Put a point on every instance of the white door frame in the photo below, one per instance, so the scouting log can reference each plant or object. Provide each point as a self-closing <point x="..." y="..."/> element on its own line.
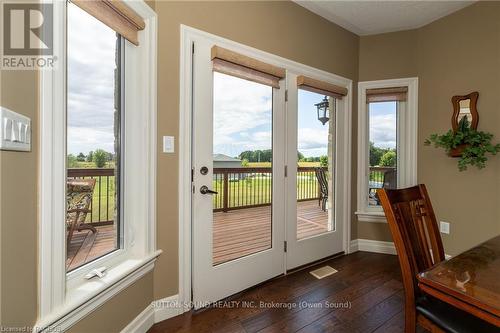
<point x="187" y="36"/>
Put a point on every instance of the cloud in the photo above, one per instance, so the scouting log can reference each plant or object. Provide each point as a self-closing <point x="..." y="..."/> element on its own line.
<point x="383" y="130"/>
<point x="91" y="83"/>
<point x="242" y="115"/>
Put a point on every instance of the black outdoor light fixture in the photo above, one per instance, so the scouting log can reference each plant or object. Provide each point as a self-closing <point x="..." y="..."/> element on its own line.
<point x="323" y="110"/>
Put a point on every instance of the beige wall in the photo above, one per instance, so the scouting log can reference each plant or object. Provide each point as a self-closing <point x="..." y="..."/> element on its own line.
<point x="269" y="26"/>
<point x="452" y="56"/>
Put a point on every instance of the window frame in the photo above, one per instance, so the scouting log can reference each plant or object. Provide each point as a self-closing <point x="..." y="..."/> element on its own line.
<point x="65" y="298"/>
<point x="407" y="122"/>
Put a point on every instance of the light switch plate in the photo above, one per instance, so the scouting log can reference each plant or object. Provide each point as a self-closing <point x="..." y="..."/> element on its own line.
<point x="168" y="144"/>
<point x="444" y="227"/>
<point x="15" y="131"/>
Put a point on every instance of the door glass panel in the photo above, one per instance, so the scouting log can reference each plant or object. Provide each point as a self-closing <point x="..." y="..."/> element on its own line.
<point x="242" y="168"/>
<point x="383" y="148"/>
<point x="315" y="142"/>
<point x="93" y="139"/>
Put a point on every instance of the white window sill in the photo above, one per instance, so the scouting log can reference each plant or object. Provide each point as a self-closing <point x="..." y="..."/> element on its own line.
<point x="85" y="298"/>
<point x="377" y="217"/>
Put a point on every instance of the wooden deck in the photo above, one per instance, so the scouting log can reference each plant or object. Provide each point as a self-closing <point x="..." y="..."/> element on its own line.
<point x="241" y="232"/>
<point x="237" y="233"/>
<point x="87" y="246"/>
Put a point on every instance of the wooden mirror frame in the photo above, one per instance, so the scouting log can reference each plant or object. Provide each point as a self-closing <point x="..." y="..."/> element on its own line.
<point x="455" y="100"/>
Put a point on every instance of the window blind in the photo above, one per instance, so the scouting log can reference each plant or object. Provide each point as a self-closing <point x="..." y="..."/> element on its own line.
<point x="386" y="94"/>
<point x="228" y="62"/>
<point x="321" y="87"/>
<point x="116" y="15"/>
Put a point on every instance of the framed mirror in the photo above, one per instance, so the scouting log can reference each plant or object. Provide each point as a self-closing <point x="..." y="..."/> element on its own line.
<point x="465" y="106"/>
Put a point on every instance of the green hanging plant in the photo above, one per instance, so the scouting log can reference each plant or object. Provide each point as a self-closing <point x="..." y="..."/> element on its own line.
<point x="467" y="143"/>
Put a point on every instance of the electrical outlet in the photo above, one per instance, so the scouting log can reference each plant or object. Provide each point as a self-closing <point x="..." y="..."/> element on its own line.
<point x="444" y="227"/>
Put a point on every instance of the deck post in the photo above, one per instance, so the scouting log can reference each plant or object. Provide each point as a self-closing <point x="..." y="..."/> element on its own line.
<point x="225" y="190"/>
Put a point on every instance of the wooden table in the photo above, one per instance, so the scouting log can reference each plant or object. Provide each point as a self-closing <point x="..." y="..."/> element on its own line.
<point x="469" y="281"/>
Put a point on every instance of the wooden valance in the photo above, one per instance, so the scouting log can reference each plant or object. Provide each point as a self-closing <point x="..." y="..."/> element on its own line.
<point x="321" y="87"/>
<point x="394" y="94"/>
<point x="228" y="62"/>
<point x="116" y="15"/>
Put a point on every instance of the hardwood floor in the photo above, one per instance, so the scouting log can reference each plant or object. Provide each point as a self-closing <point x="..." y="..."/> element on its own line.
<point x="241" y="232"/>
<point x="366" y="295"/>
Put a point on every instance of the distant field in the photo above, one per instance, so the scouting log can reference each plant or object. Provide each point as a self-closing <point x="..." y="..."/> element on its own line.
<point x="268" y="164"/>
<point x="90" y="165"/>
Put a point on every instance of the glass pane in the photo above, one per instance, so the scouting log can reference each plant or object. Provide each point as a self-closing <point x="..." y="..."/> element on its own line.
<point x="242" y="162"/>
<point x="383" y="148"/>
<point x="93" y="139"/>
<point x="315" y="142"/>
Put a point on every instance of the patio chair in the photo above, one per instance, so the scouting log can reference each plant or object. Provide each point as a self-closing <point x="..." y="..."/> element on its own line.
<point x="323" y="187"/>
<point x="79" y="194"/>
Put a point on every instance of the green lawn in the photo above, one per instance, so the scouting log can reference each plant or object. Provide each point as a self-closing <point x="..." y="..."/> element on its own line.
<point x="107" y="200"/>
<point x="257" y="190"/>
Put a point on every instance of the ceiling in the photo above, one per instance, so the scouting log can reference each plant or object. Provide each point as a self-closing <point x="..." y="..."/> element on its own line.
<point x="375" y="17"/>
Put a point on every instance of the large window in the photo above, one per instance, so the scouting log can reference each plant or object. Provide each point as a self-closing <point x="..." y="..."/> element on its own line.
<point x="387" y="141"/>
<point x="97" y="157"/>
<point x="94" y="132"/>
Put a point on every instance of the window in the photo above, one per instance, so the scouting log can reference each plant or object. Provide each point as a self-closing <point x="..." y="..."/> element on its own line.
<point x="387" y="130"/>
<point x="93" y="134"/>
<point x="97" y="157"/>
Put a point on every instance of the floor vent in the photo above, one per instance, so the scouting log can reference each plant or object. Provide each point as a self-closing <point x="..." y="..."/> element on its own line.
<point x="323" y="272"/>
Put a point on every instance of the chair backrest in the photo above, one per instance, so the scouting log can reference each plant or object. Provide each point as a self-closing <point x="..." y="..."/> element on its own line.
<point x="414" y="230"/>
<point x="79" y="194"/>
<point x="323" y="183"/>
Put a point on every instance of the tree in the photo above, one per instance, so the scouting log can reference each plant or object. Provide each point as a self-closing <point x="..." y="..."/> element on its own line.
<point x="100" y="157"/>
<point x="244" y="162"/>
<point x="300" y="156"/>
<point x="80" y="157"/>
<point x="388" y="159"/>
<point x="323" y="161"/>
<point x="71" y="161"/>
<point x="90" y="156"/>
<point x="375" y="154"/>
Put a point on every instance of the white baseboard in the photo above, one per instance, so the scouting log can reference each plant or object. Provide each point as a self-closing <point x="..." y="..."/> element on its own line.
<point x="167" y="307"/>
<point x="157" y="311"/>
<point x="369" y="245"/>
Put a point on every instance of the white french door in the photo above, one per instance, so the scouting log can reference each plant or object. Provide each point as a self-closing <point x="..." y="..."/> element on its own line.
<point x="314" y="226"/>
<point x="258" y="206"/>
<point x="238" y="232"/>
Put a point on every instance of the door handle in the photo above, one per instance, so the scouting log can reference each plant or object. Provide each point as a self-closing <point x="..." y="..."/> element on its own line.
<point x="204" y="190"/>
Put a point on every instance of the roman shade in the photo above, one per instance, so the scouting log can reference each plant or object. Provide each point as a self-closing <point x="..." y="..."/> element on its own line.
<point x="116" y="15"/>
<point x="394" y="94"/>
<point x="321" y="87"/>
<point x="228" y="62"/>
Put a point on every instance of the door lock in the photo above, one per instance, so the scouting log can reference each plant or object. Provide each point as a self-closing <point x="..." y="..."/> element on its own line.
<point x="203" y="170"/>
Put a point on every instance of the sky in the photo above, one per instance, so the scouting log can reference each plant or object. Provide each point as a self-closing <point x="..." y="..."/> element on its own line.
<point x="383" y="124"/>
<point x="91" y="64"/>
<point x="242" y="109"/>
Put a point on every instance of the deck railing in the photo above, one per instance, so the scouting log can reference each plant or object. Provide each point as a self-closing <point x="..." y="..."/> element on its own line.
<point x="252" y="187"/>
<point x="237" y="188"/>
<point x="103" y="202"/>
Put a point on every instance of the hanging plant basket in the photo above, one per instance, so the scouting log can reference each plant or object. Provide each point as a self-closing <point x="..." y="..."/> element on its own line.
<point x="458" y="151"/>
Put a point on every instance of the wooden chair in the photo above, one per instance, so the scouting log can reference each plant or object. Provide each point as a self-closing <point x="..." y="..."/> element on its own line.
<point x="419" y="246"/>
<point x="79" y="194"/>
<point x="323" y="187"/>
